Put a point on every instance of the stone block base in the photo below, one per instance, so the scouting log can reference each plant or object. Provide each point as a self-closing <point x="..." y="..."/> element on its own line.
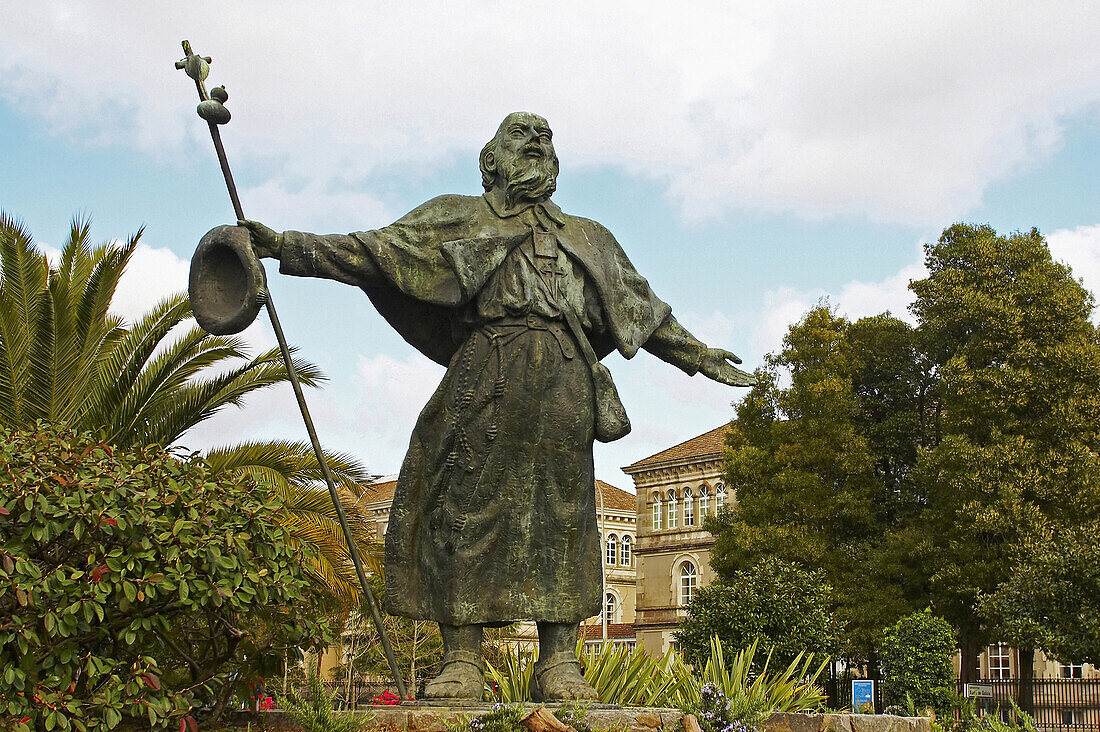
<point x="436" y="717"/>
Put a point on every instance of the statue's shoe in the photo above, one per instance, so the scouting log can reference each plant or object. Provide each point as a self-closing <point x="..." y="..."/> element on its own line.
<point x="561" y="680"/>
<point x="461" y="678"/>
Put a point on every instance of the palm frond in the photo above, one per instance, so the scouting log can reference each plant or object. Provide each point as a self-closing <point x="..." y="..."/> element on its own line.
<point x="129" y="353"/>
<point x="197" y="401"/>
<point x="23" y="273"/>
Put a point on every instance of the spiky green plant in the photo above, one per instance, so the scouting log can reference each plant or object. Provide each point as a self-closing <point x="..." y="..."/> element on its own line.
<point x="512" y="679"/>
<point x="65" y="358"/>
<point x="633" y="678"/>
<point x="318" y="713"/>
<point x="753" y="696"/>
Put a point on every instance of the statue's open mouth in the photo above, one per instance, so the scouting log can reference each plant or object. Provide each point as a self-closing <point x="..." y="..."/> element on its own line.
<point x="532" y="152"/>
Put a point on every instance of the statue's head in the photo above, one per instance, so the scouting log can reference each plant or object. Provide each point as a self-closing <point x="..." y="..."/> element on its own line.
<point x="520" y="159"/>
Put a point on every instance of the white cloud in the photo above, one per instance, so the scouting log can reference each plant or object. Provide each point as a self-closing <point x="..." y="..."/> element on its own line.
<point x="1080" y="249"/>
<point x="856" y="299"/>
<point x="152" y="275"/>
<point x="897" y="112"/>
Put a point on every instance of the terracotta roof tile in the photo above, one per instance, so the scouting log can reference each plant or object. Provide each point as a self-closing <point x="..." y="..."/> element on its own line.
<point x="614" y="630"/>
<point x="616" y="499"/>
<point x="706" y="444"/>
<point x="380" y="491"/>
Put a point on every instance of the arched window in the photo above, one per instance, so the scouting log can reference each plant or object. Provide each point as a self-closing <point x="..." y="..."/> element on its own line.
<point x="719" y="497"/>
<point x="612" y="549"/>
<point x="624" y="551"/>
<point x="672" y="509"/>
<point x="689" y="508"/>
<point x="689" y="580"/>
<point x="657" y="512"/>
<point x="704" y="501"/>
<point x="610" y="608"/>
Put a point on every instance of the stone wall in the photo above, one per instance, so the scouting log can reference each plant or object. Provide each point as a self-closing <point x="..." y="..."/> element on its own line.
<point x="424" y="718"/>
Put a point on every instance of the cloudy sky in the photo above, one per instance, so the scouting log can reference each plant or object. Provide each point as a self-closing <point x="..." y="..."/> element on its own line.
<point x="752" y="158"/>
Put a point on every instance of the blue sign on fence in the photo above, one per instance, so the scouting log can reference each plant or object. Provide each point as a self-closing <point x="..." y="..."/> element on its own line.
<point x="863" y="696"/>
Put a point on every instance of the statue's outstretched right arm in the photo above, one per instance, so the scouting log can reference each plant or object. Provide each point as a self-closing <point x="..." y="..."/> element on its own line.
<point x="340" y="257"/>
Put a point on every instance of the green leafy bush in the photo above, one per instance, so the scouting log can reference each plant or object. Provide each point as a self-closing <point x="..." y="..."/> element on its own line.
<point x="775" y="602"/>
<point x="915" y="657"/>
<point x="132" y="582"/>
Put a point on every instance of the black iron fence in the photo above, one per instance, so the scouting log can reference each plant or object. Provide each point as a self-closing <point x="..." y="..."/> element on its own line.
<point x="358" y="693"/>
<point x="1058" y="705"/>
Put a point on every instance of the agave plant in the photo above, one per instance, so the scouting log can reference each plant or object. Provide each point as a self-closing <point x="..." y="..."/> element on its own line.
<point x="754" y="696"/>
<point x="512" y="681"/>
<point x="65" y="358"/>
<point x="631" y="677"/>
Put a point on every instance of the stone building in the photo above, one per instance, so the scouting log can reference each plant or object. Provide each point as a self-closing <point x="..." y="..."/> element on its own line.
<point x="675" y="488"/>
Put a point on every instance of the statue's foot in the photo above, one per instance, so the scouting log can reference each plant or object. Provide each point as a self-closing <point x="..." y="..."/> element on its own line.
<point x="561" y="680"/>
<point x="461" y="678"/>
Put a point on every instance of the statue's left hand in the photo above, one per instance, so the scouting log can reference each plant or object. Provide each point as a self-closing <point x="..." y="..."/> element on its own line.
<point x="717" y="364"/>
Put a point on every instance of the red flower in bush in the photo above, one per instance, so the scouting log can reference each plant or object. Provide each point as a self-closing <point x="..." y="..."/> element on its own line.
<point x="388" y="698"/>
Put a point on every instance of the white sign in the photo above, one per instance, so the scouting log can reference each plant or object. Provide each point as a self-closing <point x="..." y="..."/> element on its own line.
<point x="978" y="691"/>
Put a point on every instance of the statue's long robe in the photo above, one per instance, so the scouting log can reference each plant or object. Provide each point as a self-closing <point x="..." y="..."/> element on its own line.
<point x="494" y="518"/>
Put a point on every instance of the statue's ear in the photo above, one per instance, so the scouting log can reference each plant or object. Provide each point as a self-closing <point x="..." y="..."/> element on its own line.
<point x="487" y="161"/>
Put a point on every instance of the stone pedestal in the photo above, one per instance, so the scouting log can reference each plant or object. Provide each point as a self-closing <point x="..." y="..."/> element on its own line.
<point x="435" y="718"/>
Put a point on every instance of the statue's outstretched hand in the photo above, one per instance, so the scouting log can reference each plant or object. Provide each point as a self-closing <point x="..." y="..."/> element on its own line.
<point x="718" y="365"/>
<point x="265" y="241"/>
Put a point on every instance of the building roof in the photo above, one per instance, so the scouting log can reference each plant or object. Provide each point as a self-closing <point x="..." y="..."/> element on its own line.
<point x="614" y="499"/>
<point x="381" y="490"/>
<point x="614" y="630"/>
<point x="706" y="445"/>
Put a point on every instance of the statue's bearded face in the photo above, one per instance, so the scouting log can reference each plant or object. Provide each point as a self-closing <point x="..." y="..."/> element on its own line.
<point x="521" y="160"/>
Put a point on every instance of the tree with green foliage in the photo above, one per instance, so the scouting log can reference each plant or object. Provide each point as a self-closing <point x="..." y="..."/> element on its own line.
<point x="135" y="583"/>
<point x="913" y="466"/>
<point x="65" y="358"/>
<point x="783" y="606"/>
<point x="1052" y="599"/>
<point x="1017" y="386"/>
<point x="915" y="656"/>
<point x="821" y="459"/>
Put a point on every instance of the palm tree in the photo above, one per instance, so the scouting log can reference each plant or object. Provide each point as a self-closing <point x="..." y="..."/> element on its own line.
<point x="65" y="358"/>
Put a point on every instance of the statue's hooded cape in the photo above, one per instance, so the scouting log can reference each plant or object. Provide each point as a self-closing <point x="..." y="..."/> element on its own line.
<point x="436" y="259"/>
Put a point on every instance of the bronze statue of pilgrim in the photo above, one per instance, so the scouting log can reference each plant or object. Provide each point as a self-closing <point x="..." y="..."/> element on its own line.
<point x="494" y="514"/>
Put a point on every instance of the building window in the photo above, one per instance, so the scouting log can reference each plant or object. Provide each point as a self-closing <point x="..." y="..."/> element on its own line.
<point x="689" y="580"/>
<point x="1070" y="671"/>
<point x="999" y="662"/>
<point x="612" y="549"/>
<point x="672" y="509"/>
<point x="704" y="501"/>
<point x="719" y="497"/>
<point x="624" y="551"/>
<point x="609" y="608"/>
<point x="689" y="508"/>
<point x="656" y="512"/>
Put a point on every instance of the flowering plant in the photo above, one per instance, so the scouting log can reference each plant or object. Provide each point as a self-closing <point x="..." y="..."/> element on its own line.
<point x="387" y="698"/>
<point x="499" y="718"/>
<point x="714" y="712"/>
